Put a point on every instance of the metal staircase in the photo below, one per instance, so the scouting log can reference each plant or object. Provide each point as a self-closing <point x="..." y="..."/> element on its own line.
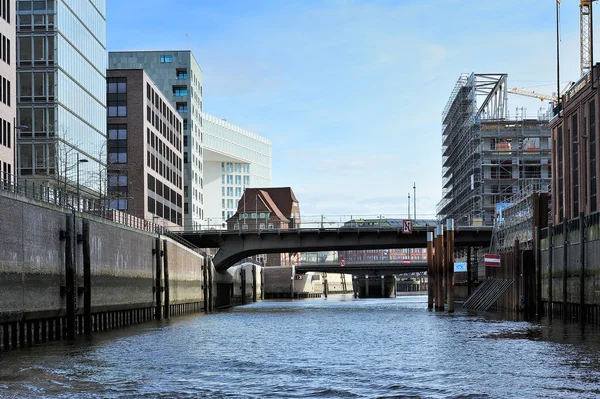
<point x="487" y="294"/>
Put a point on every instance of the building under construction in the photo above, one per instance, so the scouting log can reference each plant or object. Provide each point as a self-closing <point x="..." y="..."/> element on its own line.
<point x="488" y="158"/>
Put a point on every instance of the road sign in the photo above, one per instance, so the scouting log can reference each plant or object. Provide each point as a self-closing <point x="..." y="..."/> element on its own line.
<point x="342" y="262"/>
<point x="460" y="267"/>
<point x="491" y="260"/>
<point x="407" y="226"/>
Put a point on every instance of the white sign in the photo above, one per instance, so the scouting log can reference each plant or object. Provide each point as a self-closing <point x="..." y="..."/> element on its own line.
<point x="407" y="226"/>
<point x="342" y="262"/>
<point x="460" y="267"/>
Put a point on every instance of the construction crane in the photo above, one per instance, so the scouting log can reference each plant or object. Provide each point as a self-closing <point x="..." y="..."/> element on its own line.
<point x="585" y="36"/>
<point x="533" y="94"/>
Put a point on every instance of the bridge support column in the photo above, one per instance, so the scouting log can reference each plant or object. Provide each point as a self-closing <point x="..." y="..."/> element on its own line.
<point x="439" y="261"/>
<point x="430" y="278"/>
<point x="450" y="263"/>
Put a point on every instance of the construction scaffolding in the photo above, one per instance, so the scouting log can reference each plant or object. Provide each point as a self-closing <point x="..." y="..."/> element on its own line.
<point x="487" y="157"/>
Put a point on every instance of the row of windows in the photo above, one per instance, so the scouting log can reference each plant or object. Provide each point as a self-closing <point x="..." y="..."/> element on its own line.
<point x="39" y="49"/>
<point x="116" y="96"/>
<point x="238" y="191"/>
<point x="5" y="48"/>
<point x="239" y="167"/>
<point x="35" y="5"/>
<point x="162" y="107"/>
<point x="5" y="133"/>
<point x="228" y="179"/>
<point x="163" y="211"/>
<point x="163" y="150"/>
<point x="6" y="172"/>
<point x="40" y="22"/>
<point x="38" y="121"/>
<point x="157" y="165"/>
<point x="163" y="128"/>
<point x="5" y="10"/>
<point x="117" y="144"/>
<point x="158" y="187"/>
<point x="5" y="91"/>
<point x="36" y="86"/>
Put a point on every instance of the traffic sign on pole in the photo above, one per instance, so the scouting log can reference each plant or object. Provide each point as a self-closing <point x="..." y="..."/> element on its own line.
<point x="407" y="226"/>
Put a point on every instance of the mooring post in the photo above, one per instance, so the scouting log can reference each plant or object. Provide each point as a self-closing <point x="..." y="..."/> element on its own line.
<point x="157" y="283"/>
<point x="430" y="278"/>
<point x="70" y="291"/>
<point x="167" y="311"/>
<point x="550" y="263"/>
<point x="565" y="268"/>
<point x="382" y="286"/>
<point x="439" y="260"/>
<point x="87" y="279"/>
<point x="262" y="283"/>
<point x="211" y="299"/>
<point x="516" y="273"/>
<point x="450" y="263"/>
<point x="366" y="286"/>
<point x="582" y="268"/>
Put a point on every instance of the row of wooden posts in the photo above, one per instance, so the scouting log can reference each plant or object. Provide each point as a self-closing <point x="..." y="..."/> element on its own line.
<point x="440" y="267"/>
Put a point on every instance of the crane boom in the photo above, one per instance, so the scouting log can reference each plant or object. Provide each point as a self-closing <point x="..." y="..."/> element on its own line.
<point x="533" y="94"/>
<point x="585" y="25"/>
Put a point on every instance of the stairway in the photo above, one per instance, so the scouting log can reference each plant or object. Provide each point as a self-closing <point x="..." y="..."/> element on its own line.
<point x="487" y="294"/>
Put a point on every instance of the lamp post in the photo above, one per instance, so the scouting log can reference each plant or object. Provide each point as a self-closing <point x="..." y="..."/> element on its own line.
<point x="78" y="162"/>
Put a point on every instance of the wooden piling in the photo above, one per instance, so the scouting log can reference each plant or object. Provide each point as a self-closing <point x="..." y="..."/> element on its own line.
<point x="450" y="263"/>
<point x="538" y="271"/>
<point x="582" y="268"/>
<point x="430" y="277"/>
<point x="205" y="267"/>
<point x="565" y="269"/>
<point x="87" y="279"/>
<point x="550" y="271"/>
<point x="166" y="280"/>
<point x="243" y="281"/>
<point x="469" y="273"/>
<point x="157" y="283"/>
<point x="70" y="290"/>
<point x="439" y="259"/>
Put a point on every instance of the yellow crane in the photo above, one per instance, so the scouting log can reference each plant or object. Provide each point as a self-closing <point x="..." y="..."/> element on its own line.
<point x="533" y="94"/>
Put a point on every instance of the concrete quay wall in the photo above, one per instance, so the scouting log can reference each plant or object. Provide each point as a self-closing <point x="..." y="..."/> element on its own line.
<point x="35" y="288"/>
<point x="566" y="282"/>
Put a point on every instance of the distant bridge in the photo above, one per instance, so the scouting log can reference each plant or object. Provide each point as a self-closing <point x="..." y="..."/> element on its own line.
<point x="235" y="246"/>
<point x="371" y="268"/>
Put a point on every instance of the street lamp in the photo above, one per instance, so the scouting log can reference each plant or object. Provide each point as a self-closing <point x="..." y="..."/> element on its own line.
<point x="78" y="162"/>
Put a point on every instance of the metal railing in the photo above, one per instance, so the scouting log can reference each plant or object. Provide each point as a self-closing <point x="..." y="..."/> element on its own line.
<point x="44" y="193"/>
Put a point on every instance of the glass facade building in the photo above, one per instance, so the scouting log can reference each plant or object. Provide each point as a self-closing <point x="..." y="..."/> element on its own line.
<point x="61" y="89"/>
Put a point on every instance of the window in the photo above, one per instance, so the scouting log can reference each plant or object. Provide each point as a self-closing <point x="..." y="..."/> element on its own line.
<point x="592" y="152"/>
<point x="180" y="91"/>
<point x="117" y="143"/>
<point x="116" y="96"/>
<point x="185" y="127"/>
<point x="229" y="179"/>
<point x="181" y="107"/>
<point x="238" y="179"/>
<point x="230" y="191"/>
<point x="181" y="74"/>
<point x="246" y="180"/>
<point x="575" y="160"/>
<point x="166" y="59"/>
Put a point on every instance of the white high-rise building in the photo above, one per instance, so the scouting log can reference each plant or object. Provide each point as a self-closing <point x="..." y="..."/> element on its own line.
<point x="234" y="159"/>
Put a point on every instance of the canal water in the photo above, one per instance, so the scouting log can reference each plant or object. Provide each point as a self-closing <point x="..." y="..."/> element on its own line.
<point x="322" y="348"/>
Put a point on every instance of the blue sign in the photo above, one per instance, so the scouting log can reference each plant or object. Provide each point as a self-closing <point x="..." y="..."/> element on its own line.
<point x="460" y="267"/>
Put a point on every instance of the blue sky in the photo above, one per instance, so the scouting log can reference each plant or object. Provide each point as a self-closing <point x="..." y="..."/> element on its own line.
<point x="351" y="92"/>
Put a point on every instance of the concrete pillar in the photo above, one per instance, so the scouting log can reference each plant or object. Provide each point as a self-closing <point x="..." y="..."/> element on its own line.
<point x="87" y="280"/>
<point x="439" y="260"/>
<point x="430" y="278"/>
<point x="450" y="263"/>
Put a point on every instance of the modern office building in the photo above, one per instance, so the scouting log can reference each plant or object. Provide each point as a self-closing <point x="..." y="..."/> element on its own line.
<point x="234" y="159"/>
<point x="575" y="165"/>
<point x="179" y="77"/>
<point x="488" y="158"/>
<point x="61" y="90"/>
<point x="8" y="105"/>
<point x="145" y="149"/>
<point x="221" y="159"/>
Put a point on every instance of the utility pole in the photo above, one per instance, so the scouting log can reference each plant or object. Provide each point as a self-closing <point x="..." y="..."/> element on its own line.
<point x="409" y="205"/>
<point x="415" y="199"/>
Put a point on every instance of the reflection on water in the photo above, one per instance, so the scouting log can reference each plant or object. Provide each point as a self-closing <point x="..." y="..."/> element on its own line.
<point x="324" y="348"/>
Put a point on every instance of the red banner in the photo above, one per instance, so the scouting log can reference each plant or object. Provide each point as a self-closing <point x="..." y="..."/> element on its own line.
<point x="492" y="260"/>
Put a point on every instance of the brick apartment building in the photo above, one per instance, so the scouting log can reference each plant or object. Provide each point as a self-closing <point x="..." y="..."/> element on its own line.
<point x="574" y="151"/>
<point x="268" y="208"/>
<point x="145" y="141"/>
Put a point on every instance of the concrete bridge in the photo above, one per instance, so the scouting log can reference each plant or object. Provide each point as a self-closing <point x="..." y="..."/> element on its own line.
<point x="237" y="245"/>
<point x="371" y="269"/>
